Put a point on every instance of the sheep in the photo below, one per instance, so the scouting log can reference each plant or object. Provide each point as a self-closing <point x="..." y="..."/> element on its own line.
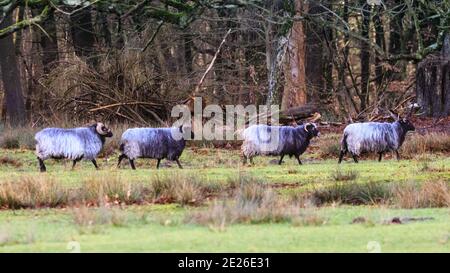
<point x="379" y="137"/>
<point x="74" y="144"/>
<point x="158" y="143"/>
<point x="277" y="140"/>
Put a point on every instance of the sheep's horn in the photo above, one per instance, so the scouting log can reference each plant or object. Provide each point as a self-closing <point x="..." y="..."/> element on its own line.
<point x="394" y="115"/>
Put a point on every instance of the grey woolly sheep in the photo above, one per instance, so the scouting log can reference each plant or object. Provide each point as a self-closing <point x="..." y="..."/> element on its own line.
<point x="157" y="143"/>
<point x="378" y="137"/>
<point x="74" y="144"/>
<point x="277" y="140"/>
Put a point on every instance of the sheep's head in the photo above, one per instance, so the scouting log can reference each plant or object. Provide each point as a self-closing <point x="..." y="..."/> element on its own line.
<point x="406" y="124"/>
<point x="311" y="129"/>
<point x="102" y="130"/>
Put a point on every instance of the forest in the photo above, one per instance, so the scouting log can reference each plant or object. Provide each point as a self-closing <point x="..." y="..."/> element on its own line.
<point x="132" y="61"/>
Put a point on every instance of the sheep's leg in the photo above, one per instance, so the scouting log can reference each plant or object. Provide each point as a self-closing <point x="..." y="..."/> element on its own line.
<point x="251" y="161"/>
<point x="398" y="155"/>
<point x="132" y="164"/>
<point x="41" y="165"/>
<point x="95" y="163"/>
<point x="380" y="155"/>
<point x="244" y="161"/>
<point x="75" y="162"/>
<point x="121" y="157"/>
<point x="179" y="164"/>
<point x="157" y="164"/>
<point x="281" y="160"/>
<point x="355" y="157"/>
<point x="341" y="156"/>
<point x="298" y="159"/>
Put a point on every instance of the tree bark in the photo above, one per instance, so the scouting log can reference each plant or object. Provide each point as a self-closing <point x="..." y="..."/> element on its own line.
<point x="379" y="39"/>
<point x="433" y="86"/>
<point x="15" y="107"/>
<point x="314" y="56"/>
<point x="295" y="76"/>
<point x="396" y="36"/>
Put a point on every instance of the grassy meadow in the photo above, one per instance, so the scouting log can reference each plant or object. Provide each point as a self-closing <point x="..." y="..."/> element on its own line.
<point x="216" y="204"/>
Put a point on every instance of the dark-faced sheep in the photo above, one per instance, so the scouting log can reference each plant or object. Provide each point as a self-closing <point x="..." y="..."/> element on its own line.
<point x="74" y="144"/>
<point x="376" y="137"/>
<point x="157" y="143"/>
<point x="277" y="141"/>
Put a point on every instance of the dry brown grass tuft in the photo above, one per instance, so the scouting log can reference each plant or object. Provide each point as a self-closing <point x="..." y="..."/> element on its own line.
<point x="352" y="193"/>
<point x="339" y="175"/>
<point x="252" y="203"/>
<point x="329" y="145"/>
<point x="111" y="189"/>
<point x="421" y="144"/>
<point x="44" y="191"/>
<point x="15" y="138"/>
<point x="183" y="189"/>
<point x="32" y="192"/>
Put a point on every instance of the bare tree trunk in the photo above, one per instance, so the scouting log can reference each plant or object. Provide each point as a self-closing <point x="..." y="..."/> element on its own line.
<point x="15" y="107"/>
<point x="379" y="39"/>
<point x="276" y="45"/>
<point x="49" y="43"/>
<point x="104" y="34"/>
<point x="295" y="76"/>
<point x="365" y="56"/>
<point x="83" y="37"/>
<point x="396" y="36"/>
<point x="433" y="83"/>
<point x="314" y="54"/>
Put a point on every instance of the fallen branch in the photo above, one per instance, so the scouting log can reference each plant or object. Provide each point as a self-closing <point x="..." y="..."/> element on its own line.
<point x="122" y="104"/>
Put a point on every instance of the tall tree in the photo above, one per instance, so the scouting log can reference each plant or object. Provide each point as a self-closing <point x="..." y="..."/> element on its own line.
<point x="83" y="37"/>
<point x="379" y="39"/>
<point x="396" y="34"/>
<point x="15" y="107"/>
<point x="365" y="54"/>
<point x="295" y="76"/>
<point x="314" y="54"/>
<point x="49" y="42"/>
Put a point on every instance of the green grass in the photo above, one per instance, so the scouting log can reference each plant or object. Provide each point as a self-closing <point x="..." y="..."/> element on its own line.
<point x="53" y="229"/>
<point x="161" y="228"/>
<point x="220" y="164"/>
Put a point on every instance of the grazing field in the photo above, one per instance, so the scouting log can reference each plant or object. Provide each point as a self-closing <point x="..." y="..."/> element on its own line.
<point x="217" y="204"/>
